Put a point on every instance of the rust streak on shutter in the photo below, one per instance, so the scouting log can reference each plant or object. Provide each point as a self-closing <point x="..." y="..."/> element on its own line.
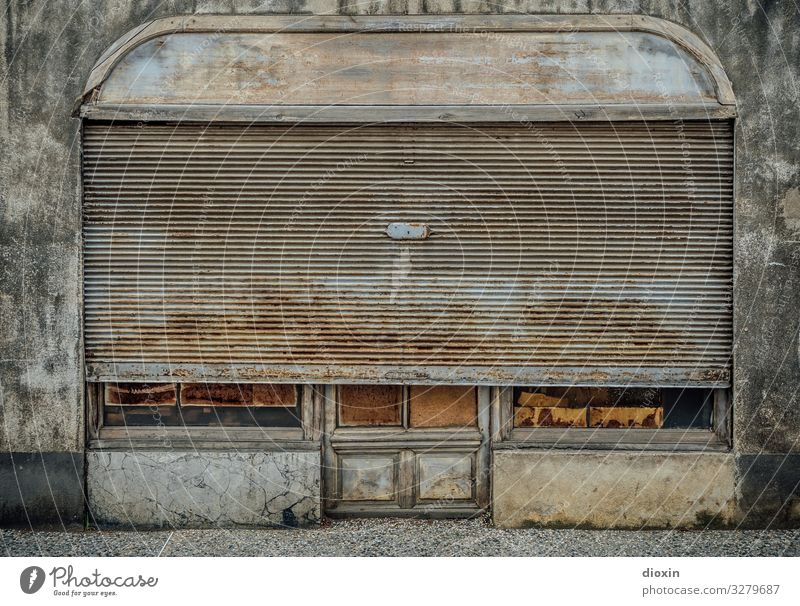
<point x="594" y="253"/>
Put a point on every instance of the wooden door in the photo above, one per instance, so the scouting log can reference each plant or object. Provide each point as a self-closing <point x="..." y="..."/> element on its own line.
<point x="417" y="450"/>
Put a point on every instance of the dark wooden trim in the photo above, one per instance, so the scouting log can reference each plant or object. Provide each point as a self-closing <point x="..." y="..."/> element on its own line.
<point x="381" y="510"/>
<point x="721" y="415"/>
<point x="483" y="457"/>
<point x="614" y="439"/>
<point x="329" y="463"/>
<point x="406" y="474"/>
<point x="94" y="410"/>
<point x="456" y="439"/>
<point x="307" y="420"/>
<point x="228" y="435"/>
<point x="197" y="444"/>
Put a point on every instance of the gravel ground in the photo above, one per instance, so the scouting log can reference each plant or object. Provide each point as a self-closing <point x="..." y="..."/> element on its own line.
<point x="401" y="538"/>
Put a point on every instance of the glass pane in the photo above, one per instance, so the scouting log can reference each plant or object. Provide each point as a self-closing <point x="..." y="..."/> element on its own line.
<point x="370" y="405"/>
<point x="201" y="405"/>
<point x="443" y="406"/>
<point x="599" y="407"/>
<point x="688" y="408"/>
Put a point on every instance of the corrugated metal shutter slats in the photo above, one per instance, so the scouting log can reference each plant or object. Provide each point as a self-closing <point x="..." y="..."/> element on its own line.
<point x="597" y="246"/>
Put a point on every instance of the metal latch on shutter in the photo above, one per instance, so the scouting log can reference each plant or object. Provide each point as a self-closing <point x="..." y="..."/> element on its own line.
<point x="408" y="231"/>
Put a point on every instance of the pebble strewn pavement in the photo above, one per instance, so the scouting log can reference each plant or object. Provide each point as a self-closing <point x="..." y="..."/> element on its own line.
<point x="400" y="538"/>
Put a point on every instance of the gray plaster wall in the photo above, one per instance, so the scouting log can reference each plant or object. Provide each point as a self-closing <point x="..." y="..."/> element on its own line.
<point x="613" y="489"/>
<point x="48" y="48"/>
<point x="200" y="489"/>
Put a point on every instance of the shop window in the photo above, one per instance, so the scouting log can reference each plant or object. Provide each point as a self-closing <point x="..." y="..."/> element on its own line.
<point x="201" y="404"/>
<point x="613" y="407"/>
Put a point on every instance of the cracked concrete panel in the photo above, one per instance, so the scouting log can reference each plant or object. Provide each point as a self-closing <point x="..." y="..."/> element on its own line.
<point x="202" y="489"/>
<point x="613" y="489"/>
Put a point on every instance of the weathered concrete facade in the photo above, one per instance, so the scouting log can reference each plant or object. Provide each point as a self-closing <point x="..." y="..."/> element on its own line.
<point x="48" y="50"/>
<point x="195" y="489"/>
<point x="613" y="489"/>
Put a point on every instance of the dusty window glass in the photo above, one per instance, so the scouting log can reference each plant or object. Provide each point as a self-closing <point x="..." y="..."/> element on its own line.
<point x="443" y="406"/>
<point x="202" y="404"/>
<point x="612" y="407"/>
<point x="370" y="405"/>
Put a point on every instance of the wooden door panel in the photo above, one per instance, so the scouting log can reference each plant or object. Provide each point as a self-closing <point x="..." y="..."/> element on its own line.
<point x="446" y="477"/>
<point x="368" y="477"/>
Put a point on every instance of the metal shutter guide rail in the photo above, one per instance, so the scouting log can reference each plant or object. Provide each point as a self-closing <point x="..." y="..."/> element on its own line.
<point x="344" y="114"/>
<point x="402" y="375"/>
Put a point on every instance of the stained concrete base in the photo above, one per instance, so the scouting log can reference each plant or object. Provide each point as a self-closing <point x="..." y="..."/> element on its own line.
<point x="612" y="490"/>
<point x="768" y="490"/>
<point x="41" y="488"/>
<point x="203" y="489"/>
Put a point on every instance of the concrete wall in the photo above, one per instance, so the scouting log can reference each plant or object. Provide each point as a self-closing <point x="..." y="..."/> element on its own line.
<point x="613" y="489"/>
<point x="48" y="49"/>
<point x="198" y="489"/>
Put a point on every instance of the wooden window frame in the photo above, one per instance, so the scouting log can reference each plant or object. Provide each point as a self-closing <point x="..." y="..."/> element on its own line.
<point x="307" y="436"/>
<point x="507" y="437"/>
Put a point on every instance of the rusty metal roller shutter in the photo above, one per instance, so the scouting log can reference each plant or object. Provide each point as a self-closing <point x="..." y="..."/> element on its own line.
<point x="596" y="253"/>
